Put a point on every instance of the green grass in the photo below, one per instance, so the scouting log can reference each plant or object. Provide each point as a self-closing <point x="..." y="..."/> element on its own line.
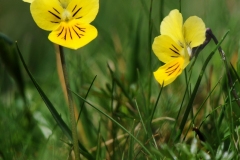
<point x="123" y="112"/>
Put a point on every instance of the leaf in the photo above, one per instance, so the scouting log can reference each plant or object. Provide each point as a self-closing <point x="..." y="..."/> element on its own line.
<point x="131" y="144"/>
<point x="190" y="103"/>
<point x="238" y="62"/>
<point x="204" y="155"/>
<point x="220" y="151"/>
<point x="53" y="111"/>
<point x="8" y="55"/>
<point x="227" y="156"/>
<point x="168" y="152"/>
<point x="123" y="128"/>
<point x="194" y="147"/>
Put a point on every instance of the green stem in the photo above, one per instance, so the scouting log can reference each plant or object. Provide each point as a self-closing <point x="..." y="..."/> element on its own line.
<point x="192" y="97"/>
<point x="144" y="148"/>
<point x="70" y="103"/>
<point x="150" y="53"/>
<point x="229" y="77"/>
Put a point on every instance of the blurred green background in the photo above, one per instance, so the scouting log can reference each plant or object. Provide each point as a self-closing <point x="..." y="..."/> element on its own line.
<point x="28" y="131"/>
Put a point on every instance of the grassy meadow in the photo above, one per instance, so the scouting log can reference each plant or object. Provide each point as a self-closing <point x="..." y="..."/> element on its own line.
<point x="122" y="112"/>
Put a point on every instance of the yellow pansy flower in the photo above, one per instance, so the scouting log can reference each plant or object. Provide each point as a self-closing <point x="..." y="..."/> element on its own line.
<point x="174" y="45"/>
<point x="69" y="20"/>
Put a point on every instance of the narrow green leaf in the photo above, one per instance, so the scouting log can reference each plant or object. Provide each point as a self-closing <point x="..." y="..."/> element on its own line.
<point x="141" y="119"/>
<point x="182" y="147"/>
<point x="222" y="113"/>
<point x="181" y="106"/>
<point x="227" y="156"/>
<point x="120" y="85"/>
<point x="204" y="155"/>
<point x="98" y="155"/>
<point x="52" y="110"/>
<point x="190" y="103"/>
<point x="220" y="151"/>
<point x="8" y="56"/>
<point x="168" y="152"/>
<point x="201" y="106"/>
<point x="131" y="144"/>
<point x="238" y="62"/>
<point x="208" y="148"/>
<point x="194" y="147"/>
<point x="144" y="148"/>
<point x="82" y="105"/>
<point x="156" y="103"/>
<point x="235" y="72"/>
<point x="144" y="101"/>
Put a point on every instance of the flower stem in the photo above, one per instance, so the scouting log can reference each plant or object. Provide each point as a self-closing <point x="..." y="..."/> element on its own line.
<point x="222" y="54"/>
<point x="209" y="36"/>
<point x="70" y="104"/>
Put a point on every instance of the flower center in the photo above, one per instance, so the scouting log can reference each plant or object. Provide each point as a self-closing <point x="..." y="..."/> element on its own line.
<point x="66" y="15"/>
<point x="189" y="50"/>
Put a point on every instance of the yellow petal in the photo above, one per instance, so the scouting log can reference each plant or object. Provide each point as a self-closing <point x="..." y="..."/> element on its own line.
<point x="29" y="1"/>
<point x="166" y="49"/>
<point x="167" y="73"/>
<point x="73" y="34"/>
<point x="84" y="10"/>
<point x="194" y="31"/>
<point x="172" y="26"/>
<point x="46" y="13"/>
